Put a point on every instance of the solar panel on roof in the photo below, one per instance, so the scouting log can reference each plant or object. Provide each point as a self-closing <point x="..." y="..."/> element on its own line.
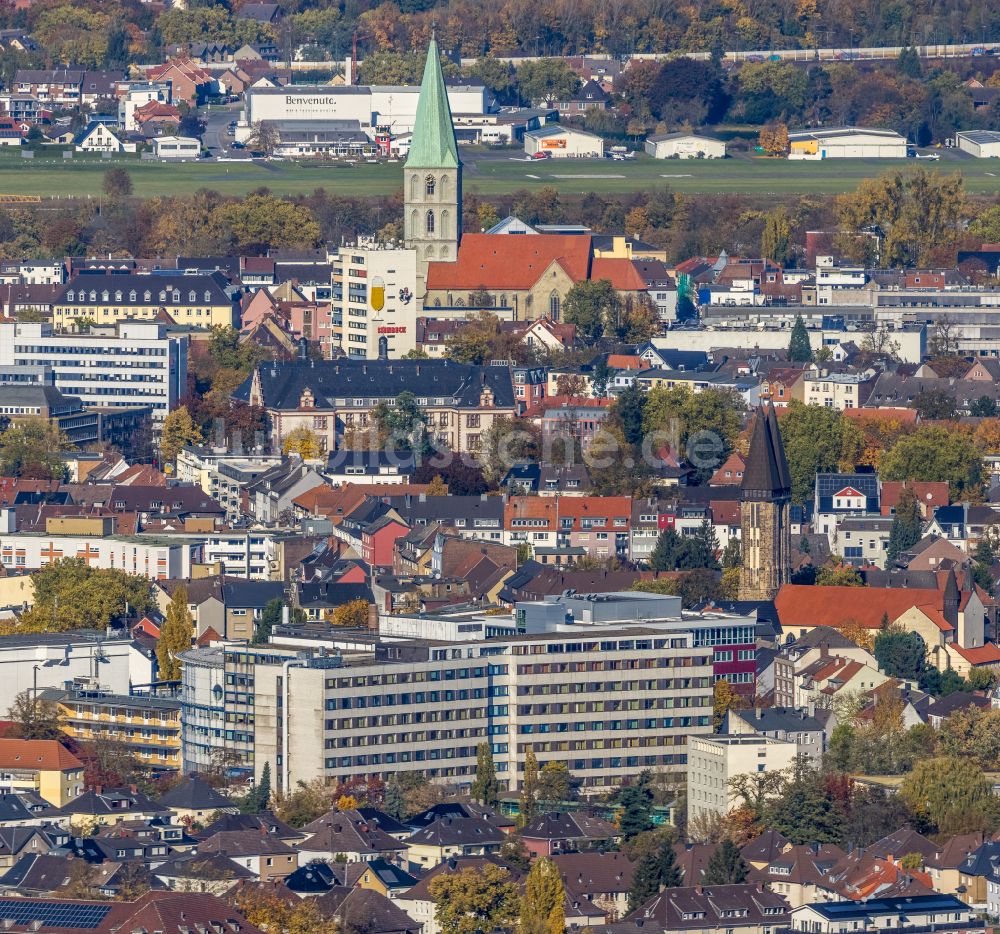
<point x="54" y="913"/>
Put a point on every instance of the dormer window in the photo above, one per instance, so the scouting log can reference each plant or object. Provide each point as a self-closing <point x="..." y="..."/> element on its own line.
<point x="118" y="296"/>
<point x="132" y="296"/>
<point x="163" y="296"/>
<point x="104" y="295"/>
<point x="176" y="295"/>
<point x="208" y="295"/>
<point x="192" y="296"/>
<point x="93" y="296"/>
<point x="71" y="296"/>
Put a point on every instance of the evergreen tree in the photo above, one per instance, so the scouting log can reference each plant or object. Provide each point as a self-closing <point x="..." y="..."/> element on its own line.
<point x="485" y="789"/>
<point x="666" y="551"/>
<point x="906" y="529"/>
<point x="258" y="798"/>
<point x="175" y="636"/>
<point x="727" y="866"/>
<point x="909" y="63"/>
<point x="799" y="347"/>
<point x="645" y="880"/>
<point x="529" y="788"/>
<point x="628" y="411"/>
<point x="269" y="618"/>
<point x="542" y="906"/>
<point x="636" y="803"/>
<point x="699" y="548"/>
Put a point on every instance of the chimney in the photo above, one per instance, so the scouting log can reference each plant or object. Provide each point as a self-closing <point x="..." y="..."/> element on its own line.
<point x="372" y="617"/>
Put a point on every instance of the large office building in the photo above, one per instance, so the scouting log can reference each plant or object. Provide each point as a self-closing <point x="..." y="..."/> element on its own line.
<point x="607" y="684"/>
<point x="124" y="365"/>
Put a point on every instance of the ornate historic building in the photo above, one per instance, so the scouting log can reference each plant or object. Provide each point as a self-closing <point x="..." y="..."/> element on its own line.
<point x="765" y="499"/>
<point x="432" y="177"/>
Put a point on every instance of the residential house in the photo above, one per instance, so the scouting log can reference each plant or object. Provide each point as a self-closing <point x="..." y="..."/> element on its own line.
<point x="567" y="832"/>
<point x="790" y="725"/>
<point x="189" y="82"/>
<point x="450" y="837"/>
<point x="109" y="806"/>
<point x="266" y="856"/>
<point x="194" y="800"/>
<point x="944" y="913"/>
<point x="733" y="909"/>
<point x="348" y="836"/>
<point x="603" y="880"/>
<point x="43" y="766"/>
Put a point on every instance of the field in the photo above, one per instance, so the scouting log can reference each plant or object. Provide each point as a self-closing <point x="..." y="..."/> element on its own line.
<point x="485" y="174"/>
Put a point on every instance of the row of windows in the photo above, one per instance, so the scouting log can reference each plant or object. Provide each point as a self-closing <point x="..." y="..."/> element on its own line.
<point x="580" y="687"/>
<point x="105" y="296"/>
<point x="652" y="703"/>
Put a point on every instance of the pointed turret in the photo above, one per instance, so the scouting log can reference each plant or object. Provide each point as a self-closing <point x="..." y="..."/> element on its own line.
<point x="766" y="474"/>
<point x="433" y="145"/>
<point x="765" y="513"/>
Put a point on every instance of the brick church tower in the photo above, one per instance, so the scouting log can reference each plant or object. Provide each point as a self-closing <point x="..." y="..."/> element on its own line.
<point x="765" y="502"/>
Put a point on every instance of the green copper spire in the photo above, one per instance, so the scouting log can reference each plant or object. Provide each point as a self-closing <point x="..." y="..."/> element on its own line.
<point x="433" y="145"/>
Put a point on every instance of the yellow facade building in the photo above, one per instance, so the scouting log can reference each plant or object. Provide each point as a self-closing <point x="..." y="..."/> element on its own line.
<point x="149" y="727"/>
<point x="44" y="766"/>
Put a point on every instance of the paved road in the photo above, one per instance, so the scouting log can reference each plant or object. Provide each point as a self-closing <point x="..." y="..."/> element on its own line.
<point x="217" y="117"/>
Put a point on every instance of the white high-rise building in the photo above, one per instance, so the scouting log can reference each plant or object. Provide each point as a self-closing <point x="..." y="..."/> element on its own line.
<point x="123" y="365"/>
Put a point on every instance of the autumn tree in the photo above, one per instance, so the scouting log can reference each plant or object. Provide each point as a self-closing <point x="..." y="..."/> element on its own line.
<point x="69" y="594"/>
<point x="175" y="636"/>
<point x="264" y="137"/>
<point x="304" y="442"/>
<point x="34" y="718"/>
<point x="117" y="183"/>
<point x="545" y="80"/>
<point x="919" y="213"/>
<point x="178" y="431"/>
<point x="352" y="615"/>
<point x="590" y="305"/>
<point x="817" y="440"/>
<point x="474" y="900"/>
<point x="528" y="801"/>
<point x="724" y="699"/>
<point x="555" y="785"/>
<point x="936" y="453"/>
<point x="542" y="905"/>
<point x="773" y="139"/>
<point x="775" y="240"/>
<point x="952" y="794"/>
<point x="31" y="448"/>
<point x="838" y="574"/>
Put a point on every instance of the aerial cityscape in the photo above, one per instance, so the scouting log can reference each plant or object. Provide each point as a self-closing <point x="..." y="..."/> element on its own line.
<point x="473" y="468"/>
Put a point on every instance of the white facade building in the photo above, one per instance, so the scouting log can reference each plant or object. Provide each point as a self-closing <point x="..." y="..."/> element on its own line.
<point x="684" y="146"/>
<point x="119" y="366"/>
<point x="138" y="95"/>
<point x="149" y="556"/>
<point x="394" y="106"/>
<point x="563" y="142"/>
<point x="49" y="660"/>
<point x="176" y="147"/>
<point x="714" y="760"/>
<point x="983" y="144"/>
<point x="370" y="275"/>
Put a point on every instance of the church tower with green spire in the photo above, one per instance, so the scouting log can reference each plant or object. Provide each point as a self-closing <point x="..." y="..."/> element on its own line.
<point x="432" y="177"/>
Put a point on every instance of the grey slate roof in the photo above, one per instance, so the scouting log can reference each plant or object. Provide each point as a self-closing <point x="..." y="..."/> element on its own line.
<point x="766" y="473"/>
<point x="195" y="794"/>
<point x="336" y="383"/>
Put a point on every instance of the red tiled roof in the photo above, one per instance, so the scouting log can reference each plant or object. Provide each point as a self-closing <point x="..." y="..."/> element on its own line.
<point x="43" y="754"/>
<point x="499" y="261"/>
<point x="621" y="273"/>
<point x="931" y="493"/>
<point x="832" y="606"/>
<point x="988" y="654"/>
<point x="624" y="361"/>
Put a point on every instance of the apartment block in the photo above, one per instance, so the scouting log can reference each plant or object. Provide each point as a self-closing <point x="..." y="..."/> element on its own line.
<point x="124" y="365"/>
<point x="148" y="727"/>
<point x="713" y="761"/>
<point x="155" y="557"/>
<point x="374" y="299"/>
<point x="199" y="299"/>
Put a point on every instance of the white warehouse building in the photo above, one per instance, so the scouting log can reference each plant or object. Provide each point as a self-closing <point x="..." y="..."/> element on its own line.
<point x="123" y="365"/>
<point x="394" y="106"/>
<point x="848" y="142"/>
<point x="983" y="144"/>
<point x="684" y="146"/>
